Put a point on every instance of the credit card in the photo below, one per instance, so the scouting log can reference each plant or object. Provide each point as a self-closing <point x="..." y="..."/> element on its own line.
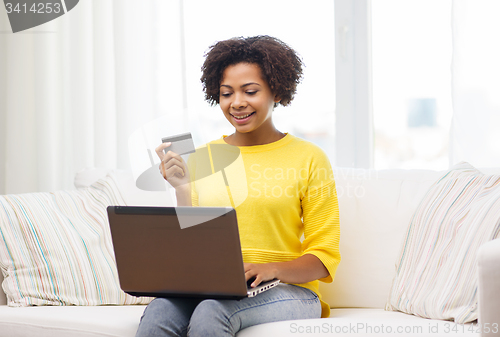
<point x="181" y="144"/>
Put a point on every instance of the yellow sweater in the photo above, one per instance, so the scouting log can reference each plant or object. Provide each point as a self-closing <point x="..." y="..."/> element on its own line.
<point x="284" y="195"/>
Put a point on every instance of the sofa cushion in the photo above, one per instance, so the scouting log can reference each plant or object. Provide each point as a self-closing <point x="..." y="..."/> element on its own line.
<point x="436" y="272"/>
<point x="125" y="180"/>
<point x="363" y="323"/>
<point x="375" y="208"/>
<point x="75" y="321"/>
<point x="122" y="321"/>
<point x="55" y="248"/>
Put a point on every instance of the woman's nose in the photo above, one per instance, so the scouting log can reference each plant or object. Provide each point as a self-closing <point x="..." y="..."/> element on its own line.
<point x="239" y="102"/>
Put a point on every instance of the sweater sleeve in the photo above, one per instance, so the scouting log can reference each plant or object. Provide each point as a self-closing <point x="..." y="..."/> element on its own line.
<point x="321" y="222"/>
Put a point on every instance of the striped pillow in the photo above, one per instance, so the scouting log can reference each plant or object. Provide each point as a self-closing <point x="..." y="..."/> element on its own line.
<point x="55" y="248"/>
<point x="436" y="273"/>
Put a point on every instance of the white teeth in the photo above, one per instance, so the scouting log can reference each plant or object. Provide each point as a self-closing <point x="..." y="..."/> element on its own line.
<point x="242" y="117"/>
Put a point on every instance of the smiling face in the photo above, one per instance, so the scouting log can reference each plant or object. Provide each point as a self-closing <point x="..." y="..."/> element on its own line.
<point x="247" y="103"/>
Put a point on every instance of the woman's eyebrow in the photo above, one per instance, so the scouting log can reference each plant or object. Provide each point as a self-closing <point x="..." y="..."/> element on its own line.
<point x="247" y="84"/>
<point x="244" y="85"/>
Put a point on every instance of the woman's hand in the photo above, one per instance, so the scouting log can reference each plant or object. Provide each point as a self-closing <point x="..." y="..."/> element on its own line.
<point x="174" y="170"/>
<point x="172" y="166"/>
<point x="303" y="269"/>
<point x="262" y="272"/>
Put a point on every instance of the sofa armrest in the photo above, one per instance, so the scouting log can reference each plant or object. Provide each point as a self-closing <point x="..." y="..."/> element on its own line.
<point x="489" y="288"/>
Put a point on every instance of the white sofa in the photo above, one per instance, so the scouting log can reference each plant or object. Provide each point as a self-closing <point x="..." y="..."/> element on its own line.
<point x="375" y="209"/>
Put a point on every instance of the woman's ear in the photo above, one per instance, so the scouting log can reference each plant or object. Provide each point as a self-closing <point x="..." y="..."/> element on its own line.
<point x="276" y="101"/>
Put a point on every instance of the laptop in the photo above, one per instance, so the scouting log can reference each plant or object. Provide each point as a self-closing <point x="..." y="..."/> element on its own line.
<point x="157" y="255"/>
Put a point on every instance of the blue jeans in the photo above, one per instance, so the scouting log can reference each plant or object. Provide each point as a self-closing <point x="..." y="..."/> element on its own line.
<point x="190" y="317"/>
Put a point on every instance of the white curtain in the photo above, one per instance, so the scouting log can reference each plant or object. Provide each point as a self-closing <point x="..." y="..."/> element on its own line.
<point x="72" y="91"/>
<point x="476" y="83"/>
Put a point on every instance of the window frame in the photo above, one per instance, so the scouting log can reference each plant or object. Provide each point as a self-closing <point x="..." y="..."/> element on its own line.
<point x="353" y="69"/>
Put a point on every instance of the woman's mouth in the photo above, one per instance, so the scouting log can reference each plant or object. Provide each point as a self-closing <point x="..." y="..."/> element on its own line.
<point x="240" y="119"/>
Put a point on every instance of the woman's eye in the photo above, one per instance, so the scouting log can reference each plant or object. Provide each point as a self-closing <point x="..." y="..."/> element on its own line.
<point x="251" y="92"/>
<point x="225" y="94"/>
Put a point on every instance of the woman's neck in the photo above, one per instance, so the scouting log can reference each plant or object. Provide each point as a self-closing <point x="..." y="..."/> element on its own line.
<point x="251" y="139"/>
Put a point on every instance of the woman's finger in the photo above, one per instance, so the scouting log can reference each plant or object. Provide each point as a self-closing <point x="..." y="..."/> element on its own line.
<point x="257" y="281"/>
<point x="173" y="155"/>
<point x="160" y="149"/>
<point x="171" y="172"/>
<point x="249" y="271"/>
<point x="174" y="172"/>
<point x="168" y="162"/>
<point x="251" y="274"/>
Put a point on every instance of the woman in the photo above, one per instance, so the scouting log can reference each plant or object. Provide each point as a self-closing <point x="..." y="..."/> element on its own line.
<point x="291" y="192"/>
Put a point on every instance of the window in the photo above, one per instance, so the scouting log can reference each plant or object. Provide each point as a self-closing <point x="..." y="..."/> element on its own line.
<point x="411" y="62"/>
